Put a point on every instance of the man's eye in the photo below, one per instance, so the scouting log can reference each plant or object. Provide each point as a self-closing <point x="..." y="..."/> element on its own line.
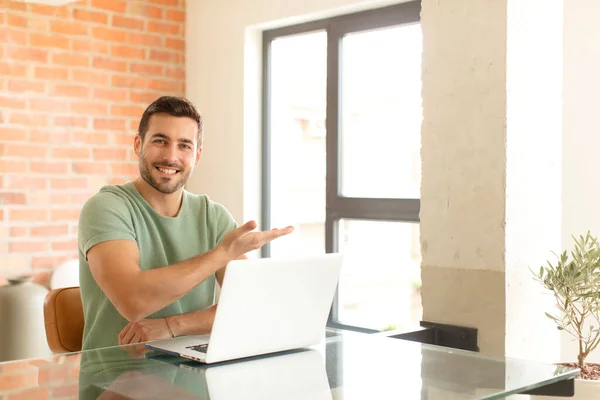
<point x="160" y="141"/>
<point x="185" y="146"/>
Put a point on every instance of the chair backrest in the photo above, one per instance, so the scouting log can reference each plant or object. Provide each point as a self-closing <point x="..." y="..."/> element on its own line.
<point x="63" y="319"/>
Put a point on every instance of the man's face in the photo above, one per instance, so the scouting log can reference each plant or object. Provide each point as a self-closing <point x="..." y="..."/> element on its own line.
<point x="169" y="153"/>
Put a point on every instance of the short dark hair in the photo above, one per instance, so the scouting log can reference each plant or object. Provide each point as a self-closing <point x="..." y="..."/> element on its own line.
<point x="175" y="106"/>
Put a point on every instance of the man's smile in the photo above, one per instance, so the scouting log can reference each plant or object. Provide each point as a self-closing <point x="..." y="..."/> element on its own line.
<point x="168" y="171"/>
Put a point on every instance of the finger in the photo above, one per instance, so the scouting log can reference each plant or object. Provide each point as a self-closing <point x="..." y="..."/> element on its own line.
<point x="127" y="338"/>
<point x="287" y="229"/>
<point x="124" y="332"/>
<point x="267" y="236"/>
<point x="275" y="233"/>
<point x="136" y="338"/>
<point x="247" y="227"/>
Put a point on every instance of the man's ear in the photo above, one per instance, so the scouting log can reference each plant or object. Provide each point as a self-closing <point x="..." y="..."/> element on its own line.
<point x="137" y="145"/>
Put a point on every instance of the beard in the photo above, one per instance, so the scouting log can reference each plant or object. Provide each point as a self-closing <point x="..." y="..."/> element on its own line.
<point x="164" y="185"/>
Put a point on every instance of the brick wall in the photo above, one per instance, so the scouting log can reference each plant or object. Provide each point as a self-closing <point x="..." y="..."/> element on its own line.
<point x="74" y="81"/>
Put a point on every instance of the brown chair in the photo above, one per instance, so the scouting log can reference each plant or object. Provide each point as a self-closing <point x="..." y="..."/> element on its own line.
<point x="63" y="318"/>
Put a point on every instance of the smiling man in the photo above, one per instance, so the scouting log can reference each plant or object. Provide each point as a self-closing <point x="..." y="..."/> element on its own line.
<point x="150" y="252"/>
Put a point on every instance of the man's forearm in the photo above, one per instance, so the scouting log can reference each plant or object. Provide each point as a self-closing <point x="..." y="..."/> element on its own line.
<point x="154" y="289"/>
<point x="193" y="323"/>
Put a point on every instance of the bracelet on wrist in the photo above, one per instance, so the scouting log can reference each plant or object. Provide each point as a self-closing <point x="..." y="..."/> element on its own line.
<point x="169" y="326"/>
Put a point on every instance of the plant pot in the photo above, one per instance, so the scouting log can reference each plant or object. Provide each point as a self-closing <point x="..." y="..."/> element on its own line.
<point x="584" y="390"/>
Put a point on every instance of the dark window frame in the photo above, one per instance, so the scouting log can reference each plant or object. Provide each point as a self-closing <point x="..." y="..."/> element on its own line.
<point x="337" y="206"/>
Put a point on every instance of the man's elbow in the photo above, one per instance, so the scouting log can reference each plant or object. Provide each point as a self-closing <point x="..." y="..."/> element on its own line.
<point x="131" y="309"/>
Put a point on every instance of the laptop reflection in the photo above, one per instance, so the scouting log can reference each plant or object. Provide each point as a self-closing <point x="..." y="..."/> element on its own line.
<point x="294" y="375"/>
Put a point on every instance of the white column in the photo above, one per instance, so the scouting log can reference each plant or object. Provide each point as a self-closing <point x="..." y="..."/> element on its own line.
<point x="533" y="173"/>
<point x="581" y="127"/>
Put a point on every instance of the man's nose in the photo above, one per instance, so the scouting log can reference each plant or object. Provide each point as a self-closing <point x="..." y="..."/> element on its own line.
<point x="170" y="152"/>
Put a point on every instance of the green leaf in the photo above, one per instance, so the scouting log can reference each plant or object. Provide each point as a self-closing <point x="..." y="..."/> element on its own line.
<point x="552" y="317"/>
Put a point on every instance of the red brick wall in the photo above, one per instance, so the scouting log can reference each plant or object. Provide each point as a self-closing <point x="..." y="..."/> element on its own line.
<point x="74" y="81"/>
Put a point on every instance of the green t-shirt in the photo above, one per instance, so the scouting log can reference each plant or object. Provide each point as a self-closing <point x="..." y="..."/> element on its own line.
<point x="120" y="212"/>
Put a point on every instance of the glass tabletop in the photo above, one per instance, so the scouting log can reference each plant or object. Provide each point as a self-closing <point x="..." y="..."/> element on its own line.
<point x="346" y="365"/>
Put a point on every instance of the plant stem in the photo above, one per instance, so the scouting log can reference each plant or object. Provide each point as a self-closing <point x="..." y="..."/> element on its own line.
<point x="581" y="356"/>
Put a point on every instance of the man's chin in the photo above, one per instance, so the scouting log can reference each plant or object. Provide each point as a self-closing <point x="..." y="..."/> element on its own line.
<point x="164" y="185"/>
<point x="167" y="189"/>
<point x="164" y="188"/>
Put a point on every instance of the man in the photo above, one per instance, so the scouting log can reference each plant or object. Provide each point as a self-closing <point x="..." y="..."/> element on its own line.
<point x="150" y="251"/>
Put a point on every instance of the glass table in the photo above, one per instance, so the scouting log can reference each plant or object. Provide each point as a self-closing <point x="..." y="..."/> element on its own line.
<point x="346" y="365"/>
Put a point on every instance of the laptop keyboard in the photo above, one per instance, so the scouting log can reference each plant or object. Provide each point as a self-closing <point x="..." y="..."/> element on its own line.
<point x="201" y="348"/>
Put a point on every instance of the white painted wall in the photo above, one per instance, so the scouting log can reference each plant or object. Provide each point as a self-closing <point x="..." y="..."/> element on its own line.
<point x="223" y="57"/>
<point x="581" y="129"/>
<point x="533" y="172"/>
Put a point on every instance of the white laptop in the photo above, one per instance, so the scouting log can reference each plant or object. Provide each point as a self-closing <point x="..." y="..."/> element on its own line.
<point x="266" y="305"/>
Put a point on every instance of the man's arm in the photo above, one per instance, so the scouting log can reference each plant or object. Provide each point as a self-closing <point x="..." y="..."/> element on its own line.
<point x="193" y="323"/>
<point x="136" y="293"/>
<point x="221" y="273"/>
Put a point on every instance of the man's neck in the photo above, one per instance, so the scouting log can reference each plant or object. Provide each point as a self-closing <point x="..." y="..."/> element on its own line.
<point x="165" y="204"/>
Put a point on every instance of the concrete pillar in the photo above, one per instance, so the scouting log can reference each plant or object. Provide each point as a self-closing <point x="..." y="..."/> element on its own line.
<point x="491" y="174"/>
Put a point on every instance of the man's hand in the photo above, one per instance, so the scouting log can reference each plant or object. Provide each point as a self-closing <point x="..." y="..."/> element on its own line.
<point x="242" y="240"/>
<point x="144" y="331"/>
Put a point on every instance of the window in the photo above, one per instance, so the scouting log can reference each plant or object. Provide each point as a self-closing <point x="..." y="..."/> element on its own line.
<point x="341" y="156"/>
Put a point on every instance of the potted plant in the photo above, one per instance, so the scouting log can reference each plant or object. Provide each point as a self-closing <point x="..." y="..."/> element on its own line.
<point x="574" y="280"/>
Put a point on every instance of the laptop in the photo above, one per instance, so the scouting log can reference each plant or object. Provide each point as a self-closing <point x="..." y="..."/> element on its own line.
<point x="266" y="305"/>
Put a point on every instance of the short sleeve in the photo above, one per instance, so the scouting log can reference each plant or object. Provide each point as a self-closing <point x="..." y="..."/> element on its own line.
<point x="104" y="217"/>
<point x="221" y="220"/>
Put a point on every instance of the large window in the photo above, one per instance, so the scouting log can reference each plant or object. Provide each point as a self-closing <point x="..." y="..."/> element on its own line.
<point x="341" y="156"/>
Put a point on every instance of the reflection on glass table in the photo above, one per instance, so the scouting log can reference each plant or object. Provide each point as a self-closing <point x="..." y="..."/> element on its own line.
<point x="345" y="365"/>
<point x="406" y="370"/>
<point x="295" y="375"/>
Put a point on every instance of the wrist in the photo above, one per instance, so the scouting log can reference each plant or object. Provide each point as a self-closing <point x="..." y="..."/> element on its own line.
<point x="171" y="332"/>
<point x="176" y="325"/>
<point x="220" y="257"/>
<point x="194" y="323"/>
